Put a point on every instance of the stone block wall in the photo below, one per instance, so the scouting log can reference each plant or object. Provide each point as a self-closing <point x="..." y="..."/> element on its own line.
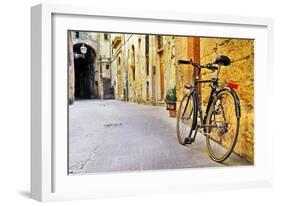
<point x="240" y="71"/>
<point x="182" y="71"/>
<point x="169" y="62"/>
<point x="136" y="86"/>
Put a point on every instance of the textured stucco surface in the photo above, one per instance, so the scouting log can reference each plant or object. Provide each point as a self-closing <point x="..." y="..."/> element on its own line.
<point x="240" y="71"/>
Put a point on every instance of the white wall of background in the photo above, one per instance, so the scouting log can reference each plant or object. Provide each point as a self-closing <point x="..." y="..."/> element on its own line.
<point x="15" y="101"/>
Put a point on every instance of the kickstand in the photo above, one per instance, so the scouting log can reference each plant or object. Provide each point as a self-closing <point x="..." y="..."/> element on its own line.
<point x="190" y="140"/>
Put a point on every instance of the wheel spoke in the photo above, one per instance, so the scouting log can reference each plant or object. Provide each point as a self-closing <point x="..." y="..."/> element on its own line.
<point x="185" y="118"/>
<point x="222" y="135"/>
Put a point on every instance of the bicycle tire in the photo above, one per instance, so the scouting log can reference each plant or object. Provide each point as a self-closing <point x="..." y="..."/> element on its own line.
<point x="188" y="104"/>
<point x="226" y="143"/>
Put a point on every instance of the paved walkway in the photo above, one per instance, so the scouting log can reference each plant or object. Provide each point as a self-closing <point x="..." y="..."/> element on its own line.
<point x="110" y="135"/>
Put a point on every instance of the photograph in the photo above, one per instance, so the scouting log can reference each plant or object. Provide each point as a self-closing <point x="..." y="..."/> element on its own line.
<point x="139" y="102"/>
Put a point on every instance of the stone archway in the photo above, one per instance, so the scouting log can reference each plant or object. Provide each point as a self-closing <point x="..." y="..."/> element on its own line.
<point x="84" y="72"/>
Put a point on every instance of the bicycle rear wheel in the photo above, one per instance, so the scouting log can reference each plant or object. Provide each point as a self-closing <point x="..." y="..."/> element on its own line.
<point x="222" y="125"/>
<point x="186" y="118"/>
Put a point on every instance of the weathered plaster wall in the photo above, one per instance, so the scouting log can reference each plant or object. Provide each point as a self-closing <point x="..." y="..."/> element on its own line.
<point x="120" y="64"/>
<point x="183" y="72"/>
<point x="169" y="63"/>
<point x="103" y="59"/>
<point x="103" y="54"/>
<point x="139" y="83"/>
<point x="70" y="63"/>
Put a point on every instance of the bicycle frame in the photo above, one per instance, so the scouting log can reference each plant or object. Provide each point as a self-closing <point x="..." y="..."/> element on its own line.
<point x="214" y="89"/>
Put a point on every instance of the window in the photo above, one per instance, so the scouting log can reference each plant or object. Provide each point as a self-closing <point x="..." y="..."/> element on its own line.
<point x="147" y="54"/>
<point x="147" y="65"/>
<point x="133" y="56"/>
<point x="107" y="67"/>
<point x="105" y="36"/>
<point x="139" y="43"/>
<point x="77" y="35"/>
<point x="160" y="42"/>
<point x="147" y="45"/>
<point x="133" y="61"/>
<point x="147" y="90"/>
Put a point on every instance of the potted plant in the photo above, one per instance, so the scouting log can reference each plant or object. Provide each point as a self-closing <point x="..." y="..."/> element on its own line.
<point x="171" y="101"/>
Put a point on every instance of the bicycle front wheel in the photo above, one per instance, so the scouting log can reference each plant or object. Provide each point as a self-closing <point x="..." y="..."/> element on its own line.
<point x="222" y="125"/>
<point x="186" y="118"/>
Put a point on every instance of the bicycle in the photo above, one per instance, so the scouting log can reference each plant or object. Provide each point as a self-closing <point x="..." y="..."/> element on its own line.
<point x="221" y="120"/>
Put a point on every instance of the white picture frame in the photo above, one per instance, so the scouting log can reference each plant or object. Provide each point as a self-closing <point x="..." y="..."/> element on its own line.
<point x="49" y="179"/>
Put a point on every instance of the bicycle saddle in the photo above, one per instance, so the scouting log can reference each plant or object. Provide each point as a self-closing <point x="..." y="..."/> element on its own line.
<point x="222" y="60"/>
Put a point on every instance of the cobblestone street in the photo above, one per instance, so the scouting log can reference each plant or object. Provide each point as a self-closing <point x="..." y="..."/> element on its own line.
<point x="110" y="135"/>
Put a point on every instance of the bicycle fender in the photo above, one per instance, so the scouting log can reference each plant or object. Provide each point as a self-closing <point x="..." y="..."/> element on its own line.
<point x="236" y="100"/>
<point x="191" y="95"/>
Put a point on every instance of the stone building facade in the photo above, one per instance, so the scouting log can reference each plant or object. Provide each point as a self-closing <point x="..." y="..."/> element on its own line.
<point x="143" y="67"/>
<point x="89" y="75"/>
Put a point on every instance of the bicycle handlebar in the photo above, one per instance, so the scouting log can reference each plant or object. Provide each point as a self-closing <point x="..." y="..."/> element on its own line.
<point x="184" y="62"/>
<point x="207" y="66"/>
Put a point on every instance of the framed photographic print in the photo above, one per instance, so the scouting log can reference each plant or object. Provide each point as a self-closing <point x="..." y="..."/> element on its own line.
<point x="137" y="102"/>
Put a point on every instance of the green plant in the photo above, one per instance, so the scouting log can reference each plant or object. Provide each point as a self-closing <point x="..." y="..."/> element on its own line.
<point x="171" y="95"/>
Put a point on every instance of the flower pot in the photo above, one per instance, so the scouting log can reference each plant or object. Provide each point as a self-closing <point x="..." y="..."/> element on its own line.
<point x="173" y="113"/>
<point x="171" y="105"/>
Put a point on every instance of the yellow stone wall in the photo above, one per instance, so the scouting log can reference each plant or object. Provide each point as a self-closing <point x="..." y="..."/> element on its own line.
<point x="183" y="72"/>
<point x="137" y="86"/>
<point x="169" y="62"/>
<point x="119" y="66"/>
<point x="241" y="71"/>
<point x="155" y="75"/>
<point x="168" y="56"/>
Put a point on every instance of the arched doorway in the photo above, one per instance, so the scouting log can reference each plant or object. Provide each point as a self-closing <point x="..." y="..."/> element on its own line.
<point x="84" y="66"/>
